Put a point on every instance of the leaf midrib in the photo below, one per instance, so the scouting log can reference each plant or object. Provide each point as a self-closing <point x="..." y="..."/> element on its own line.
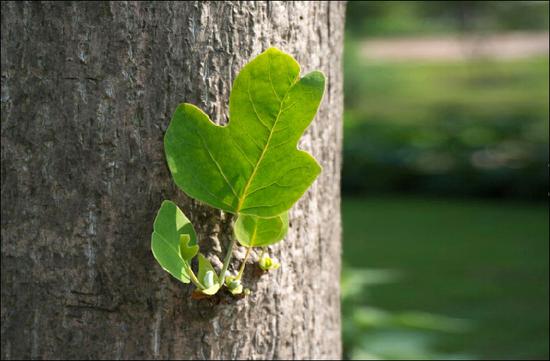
<point x="264" y="151"/>
<point x="253" y="238"/>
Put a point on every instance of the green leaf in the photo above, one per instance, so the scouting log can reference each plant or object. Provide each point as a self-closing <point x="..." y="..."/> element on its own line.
<point x="267" y="263"/>
<point x="187" y="252"/>
<point x="252" y="231"/>
<point x="207" y="276"/>
<point x="234" y="285"/>
<point x="251" y="166"/>
<point x="170" y="225"/>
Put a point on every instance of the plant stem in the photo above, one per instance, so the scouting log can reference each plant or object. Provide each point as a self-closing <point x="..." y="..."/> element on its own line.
<point x="194" y="278"/>
<point x="227" y="259"/>
<point x="243" y="265"/>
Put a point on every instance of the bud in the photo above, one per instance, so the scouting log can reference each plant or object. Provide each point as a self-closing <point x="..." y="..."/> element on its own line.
<point x="266" y="263"/>
<point x="208" y="280"/>
<point x="234" y="285"/>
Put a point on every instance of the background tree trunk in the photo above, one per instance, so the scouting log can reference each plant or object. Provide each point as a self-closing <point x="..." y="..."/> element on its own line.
<point x="88" y="90"/>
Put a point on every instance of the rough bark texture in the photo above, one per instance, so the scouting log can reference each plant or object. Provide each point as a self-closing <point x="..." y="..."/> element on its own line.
<point x="88" y="90"/>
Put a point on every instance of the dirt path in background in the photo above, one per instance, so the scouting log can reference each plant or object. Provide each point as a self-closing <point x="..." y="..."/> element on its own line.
<point x="501" y="46"/>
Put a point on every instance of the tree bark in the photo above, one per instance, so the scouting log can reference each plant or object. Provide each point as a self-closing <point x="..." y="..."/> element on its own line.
<point x="88" y="90"/>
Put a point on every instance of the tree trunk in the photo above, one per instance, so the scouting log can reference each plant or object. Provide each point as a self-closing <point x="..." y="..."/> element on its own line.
<point x="88" y="90"/>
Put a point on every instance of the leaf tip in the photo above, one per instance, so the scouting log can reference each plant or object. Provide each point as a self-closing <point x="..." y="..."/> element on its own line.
<point x="167" y="203"/>
<point x="315" y="78"/>
<point x="274" y="50"/>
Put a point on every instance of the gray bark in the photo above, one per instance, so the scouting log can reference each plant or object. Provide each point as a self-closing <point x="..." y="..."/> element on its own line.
<point x="88" y="90"/>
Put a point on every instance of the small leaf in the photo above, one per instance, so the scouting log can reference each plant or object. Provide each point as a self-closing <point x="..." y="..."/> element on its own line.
<point x="233" y="285"/>
<point x="170" y="224"/>
<point x="237" y="290"/>
<point x="207" y="276"/>
<point x="252" y="231"/>
<point x="251" y="166"/>
<point x="187" y="252"/>
<point x="212" y="290"/>
<point x="267" y="263"/>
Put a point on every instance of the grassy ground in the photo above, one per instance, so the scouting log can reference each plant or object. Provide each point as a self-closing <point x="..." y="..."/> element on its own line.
<point x="485" y="261"/>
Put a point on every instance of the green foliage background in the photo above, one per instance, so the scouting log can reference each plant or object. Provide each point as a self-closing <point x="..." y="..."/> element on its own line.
<point x="477" y="128"/>
<point x="413" y="18"/>
<point x="446" y="183"/>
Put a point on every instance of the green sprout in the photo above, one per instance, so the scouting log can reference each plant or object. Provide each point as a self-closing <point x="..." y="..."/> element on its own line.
<point x="250" y="168"/>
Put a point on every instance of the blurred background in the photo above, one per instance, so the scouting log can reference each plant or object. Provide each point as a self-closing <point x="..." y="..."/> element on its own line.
<point x="445" y="180"/>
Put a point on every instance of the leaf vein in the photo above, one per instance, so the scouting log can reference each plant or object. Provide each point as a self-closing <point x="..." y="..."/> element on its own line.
<point x="262" y="206"/>
<point x="242" y="151"/>
<point x="218" y="166"/>
<point x="260" y="148"/>
<point x="267" y="186"/>
<point x="200" y="184"/>
<point x="271" y="81"/>
<point x="281" y="144"/>
<point x="264" y="151"/>
<point x="193" y="176"/>
<point x="254" y="108"/>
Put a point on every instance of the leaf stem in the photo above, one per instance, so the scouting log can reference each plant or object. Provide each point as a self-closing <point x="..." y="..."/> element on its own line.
<point x="243" y="265"/>
<point x="194" y="278"/>
<point x="227" y="258"/>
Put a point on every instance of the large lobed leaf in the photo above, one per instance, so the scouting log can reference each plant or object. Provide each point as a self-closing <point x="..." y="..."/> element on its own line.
<point x="172" y="232"/>
<point x="252" y="165"/>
